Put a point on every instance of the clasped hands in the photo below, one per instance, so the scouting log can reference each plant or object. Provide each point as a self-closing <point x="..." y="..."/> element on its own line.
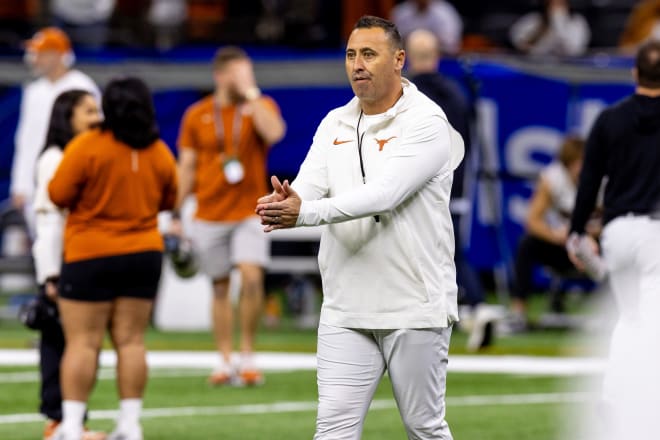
<point x="280" y="209"/>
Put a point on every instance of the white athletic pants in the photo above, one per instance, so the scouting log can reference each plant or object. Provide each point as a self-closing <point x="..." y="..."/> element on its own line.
<point x="631" y="390"/>
<point x="351" y="363"/>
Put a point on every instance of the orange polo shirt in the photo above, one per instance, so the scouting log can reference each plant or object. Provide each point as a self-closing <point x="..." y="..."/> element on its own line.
<point x="217" y="199"/>
<point x="113" y="193"/>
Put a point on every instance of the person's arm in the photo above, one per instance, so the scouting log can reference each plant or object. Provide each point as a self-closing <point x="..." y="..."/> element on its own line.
<point x="186" y="171"/>
<point x="187" y="162"/>
<point x="591" y="176"/>
<point x="171" y="186"/>
<point x="311" y="183"/>
<point x="265" y="114"/>
<point x="422" y="155"/>
<point x="268" y="122"/>
<point x="20" y="176"/>
<point x="49" y="223"/>
<point x="536" y="223"/>
<point x="69" y="179"/>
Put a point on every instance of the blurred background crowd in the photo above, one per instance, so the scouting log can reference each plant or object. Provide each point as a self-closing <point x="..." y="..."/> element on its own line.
<point x="504" y="25"/>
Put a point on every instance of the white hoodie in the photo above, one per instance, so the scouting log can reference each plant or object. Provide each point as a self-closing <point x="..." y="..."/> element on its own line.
<point x="397" y="272"/>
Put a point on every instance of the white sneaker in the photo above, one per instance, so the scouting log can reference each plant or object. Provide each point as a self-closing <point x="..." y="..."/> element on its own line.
<point x="482" y="333"/>
<point x="133" y="434"/>
<point x="61" y="434"/>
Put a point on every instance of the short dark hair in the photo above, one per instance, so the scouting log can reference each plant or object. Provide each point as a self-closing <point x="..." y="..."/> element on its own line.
<point x="647" y="63"/>
<point x="370" y="21"/>
<point x="227" y="54"/>
<point x="129" y="112"/>
<point x="60" y="131"/>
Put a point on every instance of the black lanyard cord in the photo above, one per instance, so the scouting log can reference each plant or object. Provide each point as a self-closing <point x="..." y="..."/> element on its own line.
<point x="359" y="143"/>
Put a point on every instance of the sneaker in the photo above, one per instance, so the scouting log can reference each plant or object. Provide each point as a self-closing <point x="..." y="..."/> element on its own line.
<point x="251" y="377"/>
<point x="58" y="433"/>
<point x="51" y="432"/>
<point x="94" y="435"/>
<point x="482" y="332"/>
<point x="50" y="428"/>
<point x="220" y="378"/>
<point x="513" y="324"/>
<point x="135" y="434"/>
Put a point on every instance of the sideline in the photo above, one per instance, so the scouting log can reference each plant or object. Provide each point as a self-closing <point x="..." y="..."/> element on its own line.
<point x="288" y="407"/>
<point x="271" y="361"/>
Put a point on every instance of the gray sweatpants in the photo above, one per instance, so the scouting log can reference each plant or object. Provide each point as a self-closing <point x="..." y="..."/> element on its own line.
<point x="351" y="363"/>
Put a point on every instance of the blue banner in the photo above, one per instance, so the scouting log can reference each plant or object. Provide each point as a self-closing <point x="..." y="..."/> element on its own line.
<point x="521" y="120"/>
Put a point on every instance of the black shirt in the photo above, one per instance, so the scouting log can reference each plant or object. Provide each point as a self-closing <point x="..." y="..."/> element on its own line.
<point x="624" y="147"/>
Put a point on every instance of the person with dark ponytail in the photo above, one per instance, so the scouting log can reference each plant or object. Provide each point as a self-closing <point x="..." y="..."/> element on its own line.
<point x="73" y="113"/>
<point x="113" y="180"/>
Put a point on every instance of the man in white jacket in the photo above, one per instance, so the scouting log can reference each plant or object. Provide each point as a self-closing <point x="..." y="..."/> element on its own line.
<point x="379" y="173"/>
<point x="50" y="56"/>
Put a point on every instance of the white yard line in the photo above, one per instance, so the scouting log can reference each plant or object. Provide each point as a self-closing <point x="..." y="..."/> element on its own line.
<point x="529" y="365"/>
<point x="289" y="407"/>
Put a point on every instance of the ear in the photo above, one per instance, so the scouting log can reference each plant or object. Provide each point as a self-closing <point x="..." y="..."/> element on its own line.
<point x="399" y="59"/>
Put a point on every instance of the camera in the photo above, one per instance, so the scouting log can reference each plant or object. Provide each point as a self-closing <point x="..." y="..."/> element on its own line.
<point x="38" y="313"/>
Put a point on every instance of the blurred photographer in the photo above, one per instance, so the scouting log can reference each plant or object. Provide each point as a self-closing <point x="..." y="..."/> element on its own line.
<point x="73" y="112"/>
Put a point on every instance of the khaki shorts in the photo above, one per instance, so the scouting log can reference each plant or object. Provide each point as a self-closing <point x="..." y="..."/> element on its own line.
<point x="222" y="245"/>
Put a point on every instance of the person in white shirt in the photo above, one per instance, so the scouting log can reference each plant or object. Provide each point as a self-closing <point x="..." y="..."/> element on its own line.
<point x="546" y="229"/>
<point x="554" y="30"/>
<point x="437" y="16"/>
<point x="73" y="112"/>
<point x="50" y="57"/>
<point x="379" y="174"/>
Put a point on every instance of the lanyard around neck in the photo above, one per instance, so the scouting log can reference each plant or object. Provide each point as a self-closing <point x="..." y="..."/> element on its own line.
<point x="360" y="137"/>
<point x="237" y="128"/>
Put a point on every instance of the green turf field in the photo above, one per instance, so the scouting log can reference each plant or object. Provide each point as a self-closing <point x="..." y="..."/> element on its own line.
<point x="179" y="405"/>
<point x="284" y="408"/>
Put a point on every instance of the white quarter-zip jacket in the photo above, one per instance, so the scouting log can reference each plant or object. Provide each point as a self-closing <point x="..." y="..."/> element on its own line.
<point x="397" y="272"/>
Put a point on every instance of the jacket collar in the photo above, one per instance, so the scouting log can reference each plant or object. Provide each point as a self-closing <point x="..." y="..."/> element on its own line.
<point x="350" y="113"/>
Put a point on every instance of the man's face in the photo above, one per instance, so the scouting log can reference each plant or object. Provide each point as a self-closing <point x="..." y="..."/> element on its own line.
<point x="43" y="62"/>
<point x="373" y="66"/>
<point x="236" y="77"/>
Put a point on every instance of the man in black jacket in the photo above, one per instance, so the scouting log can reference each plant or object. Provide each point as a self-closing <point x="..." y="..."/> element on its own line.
<point x="624" y="147"/>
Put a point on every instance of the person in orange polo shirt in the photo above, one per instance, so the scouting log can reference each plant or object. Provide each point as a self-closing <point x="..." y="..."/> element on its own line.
<point x="223" y="145"/>
<point x="114" y="181"/>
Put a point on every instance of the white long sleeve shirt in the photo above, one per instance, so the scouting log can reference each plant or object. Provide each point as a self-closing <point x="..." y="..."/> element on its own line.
<point x="398" y="272"/>
<point x="49" y="219"/>
<point x="36" y="105"/>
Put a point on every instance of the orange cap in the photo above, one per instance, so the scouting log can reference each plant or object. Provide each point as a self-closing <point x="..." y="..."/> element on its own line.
<point x="50" y="38"/>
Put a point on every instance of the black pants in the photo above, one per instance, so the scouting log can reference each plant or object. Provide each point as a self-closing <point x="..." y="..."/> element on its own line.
<point x="533" y="252"/>
<point x="51" y="350"/>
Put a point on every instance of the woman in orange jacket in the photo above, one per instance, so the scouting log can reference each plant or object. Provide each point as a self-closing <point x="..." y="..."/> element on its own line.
<point x="114" y="181"/>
